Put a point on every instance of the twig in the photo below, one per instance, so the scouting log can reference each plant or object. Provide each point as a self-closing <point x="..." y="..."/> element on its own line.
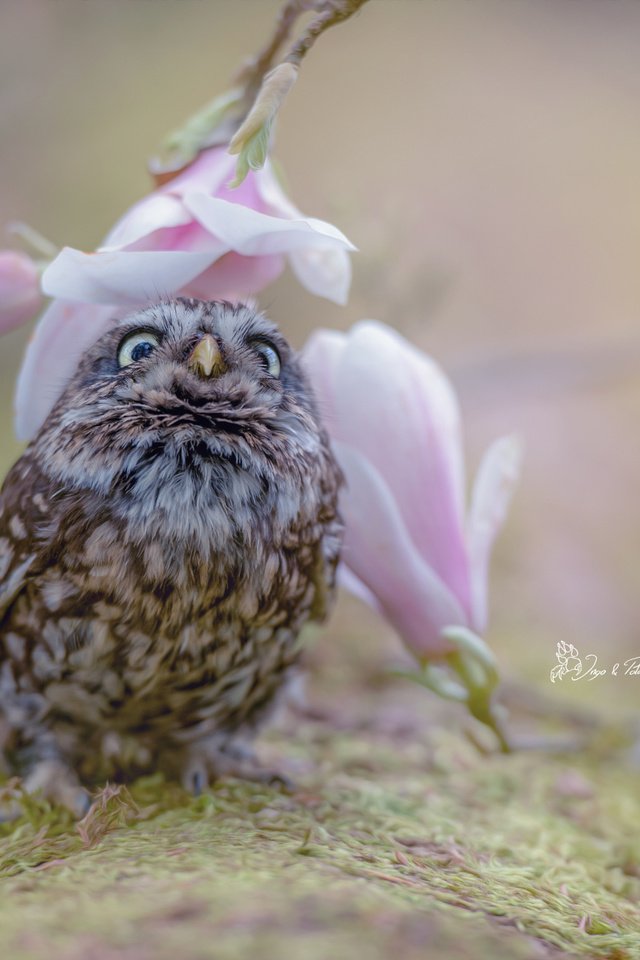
<point x="332" y="12"/>
<point x="250" y="75"/>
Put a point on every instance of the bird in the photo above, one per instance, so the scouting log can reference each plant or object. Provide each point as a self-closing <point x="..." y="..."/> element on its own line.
<point x="163" y="540"/>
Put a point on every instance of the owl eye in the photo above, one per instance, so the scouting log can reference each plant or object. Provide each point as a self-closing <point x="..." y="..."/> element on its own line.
<point x="269" y="356"/>
<point x="136" y="347"/>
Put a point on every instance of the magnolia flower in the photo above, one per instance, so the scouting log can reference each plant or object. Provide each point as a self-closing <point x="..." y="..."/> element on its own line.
<point x="192" y="237"/>
<point x="20" y="297"/>
<point x="410" y="550"/>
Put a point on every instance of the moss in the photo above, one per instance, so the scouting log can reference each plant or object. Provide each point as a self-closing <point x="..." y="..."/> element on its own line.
<point x="388" y="844"/>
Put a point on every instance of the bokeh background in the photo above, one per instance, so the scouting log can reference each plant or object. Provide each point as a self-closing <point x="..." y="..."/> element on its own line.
<point x="484" y="157"/>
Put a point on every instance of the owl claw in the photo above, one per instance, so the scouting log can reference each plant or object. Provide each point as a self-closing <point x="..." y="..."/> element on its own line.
<point x="281" y="780"/>
<point x="59" y="784"/>
<point x="81" y="804"/>
<point x="209" y="762"/>
<point x="198" y="782"/>
<point x="10" y="812"/>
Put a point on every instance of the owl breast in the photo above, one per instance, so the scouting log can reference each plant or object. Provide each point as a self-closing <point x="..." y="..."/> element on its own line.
<point x="168" y="620"/>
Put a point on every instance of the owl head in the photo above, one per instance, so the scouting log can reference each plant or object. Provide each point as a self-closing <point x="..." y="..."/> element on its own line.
<point x="185" y="388"/>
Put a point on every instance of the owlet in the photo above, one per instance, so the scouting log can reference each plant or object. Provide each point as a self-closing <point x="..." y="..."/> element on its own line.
<point x="163" y="539"/>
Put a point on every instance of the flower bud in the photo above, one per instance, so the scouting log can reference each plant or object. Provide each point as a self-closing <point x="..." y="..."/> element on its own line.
<point x="251" y="141"/>
<point x="411" y="546"/>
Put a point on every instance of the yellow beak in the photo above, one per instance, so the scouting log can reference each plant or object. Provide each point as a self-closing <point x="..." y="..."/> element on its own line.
<point x="206" y="359"/>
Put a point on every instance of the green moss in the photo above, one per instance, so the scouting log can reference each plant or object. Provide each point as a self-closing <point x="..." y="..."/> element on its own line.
<point x="386" y="846"/>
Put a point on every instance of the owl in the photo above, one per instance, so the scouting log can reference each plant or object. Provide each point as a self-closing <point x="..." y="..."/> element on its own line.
<point x="163" y="540"/>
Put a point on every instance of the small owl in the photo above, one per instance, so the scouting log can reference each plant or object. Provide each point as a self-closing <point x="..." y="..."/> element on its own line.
<point x="163" y="539"/>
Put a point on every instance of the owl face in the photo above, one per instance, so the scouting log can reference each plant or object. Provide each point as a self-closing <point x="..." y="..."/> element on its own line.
<point x="183" y="384"/>
<point x="194" y="357"/>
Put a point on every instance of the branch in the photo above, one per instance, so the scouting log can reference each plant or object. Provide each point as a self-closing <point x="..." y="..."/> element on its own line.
<point x="244" y="115"/>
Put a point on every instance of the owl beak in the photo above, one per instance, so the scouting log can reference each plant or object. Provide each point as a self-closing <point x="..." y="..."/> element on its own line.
<point x="206" y="359"/>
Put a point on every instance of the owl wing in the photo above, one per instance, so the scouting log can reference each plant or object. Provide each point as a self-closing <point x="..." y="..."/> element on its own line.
<point x="323" y="591"/>
<point x="327" y="550"/>
<point x="23" y="507"/>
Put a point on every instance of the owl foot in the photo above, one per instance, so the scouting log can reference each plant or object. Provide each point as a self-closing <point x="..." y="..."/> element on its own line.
<point x="59" y="784"/>
<point x="208" y="762"/>
<point x="10" y="808"/>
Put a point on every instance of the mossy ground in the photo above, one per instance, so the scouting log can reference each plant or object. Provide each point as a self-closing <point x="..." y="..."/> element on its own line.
<point x="399" y="838"/>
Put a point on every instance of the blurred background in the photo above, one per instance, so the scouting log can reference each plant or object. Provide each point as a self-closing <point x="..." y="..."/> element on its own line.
<point x="484" y="158"/>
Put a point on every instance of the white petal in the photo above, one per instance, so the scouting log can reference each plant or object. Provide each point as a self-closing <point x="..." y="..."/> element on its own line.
<point x="492" y="492"/>
<point x="125" y="277"/>
<point x="253" y="234"/>
<point x="327" y="273"/>
<point x="63" y="333"/>
<point x="381" y="554"/>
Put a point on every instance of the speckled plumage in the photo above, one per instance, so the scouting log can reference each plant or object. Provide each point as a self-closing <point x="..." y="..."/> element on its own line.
<point x="162" y="542"/>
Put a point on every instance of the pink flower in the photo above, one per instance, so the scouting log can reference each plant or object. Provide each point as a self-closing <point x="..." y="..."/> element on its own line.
<point x="20" y="297"/>
<point x="191" y="237"/>
<point x="410" y="551"/>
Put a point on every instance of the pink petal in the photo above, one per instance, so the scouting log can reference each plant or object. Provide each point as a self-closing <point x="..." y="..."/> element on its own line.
<point x="396" y="407"/>
<point x="234" y="277"/>
<point x="248" y="194"/>
<point x="63" y="333"/>
<point x="273" y="197"/>
<point x="20" y="296"/>
<point x="348" y="581"/>
<point x="124" y="277"/>
<point x="380" y="553"/>
<point x="210" y="173"/>
<point x="492" y="492"/>
<point x="156" y="212"/>
<point x="321" y="356"/>
<point x="165" y="209"/>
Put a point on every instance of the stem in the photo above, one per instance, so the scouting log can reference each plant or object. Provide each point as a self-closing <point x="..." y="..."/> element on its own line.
<point x="33" y="239"/>
<point x="252" y="139"/>
<point x="332" y="12"/>
<point x="495" y="724"/>
<point x="233" y="114"/>
<point x="251" y="73"/>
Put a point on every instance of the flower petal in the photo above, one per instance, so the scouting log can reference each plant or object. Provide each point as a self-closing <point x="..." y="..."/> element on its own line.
<point x="396" y="407"/>
<point x="156" y="212"/>
<point x="63" y="333"/>
<point x="321" y="356"/>
<point x="274" y="199"/>
<point x="125" y="277"/>
<point x="254" y="234"/>
<point x="210" y="173"/>
<point x="326" y="273"/>
<point x="234" y="277"/>
<point x="164" y="208"/>
<point x="348" y="580"/>
<point x="381" y="554"/>
<point x="20" y="296"/>
<point x="492" y="492"/>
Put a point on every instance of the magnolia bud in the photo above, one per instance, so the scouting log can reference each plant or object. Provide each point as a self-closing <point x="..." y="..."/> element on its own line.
<point x="251" y="141"/>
